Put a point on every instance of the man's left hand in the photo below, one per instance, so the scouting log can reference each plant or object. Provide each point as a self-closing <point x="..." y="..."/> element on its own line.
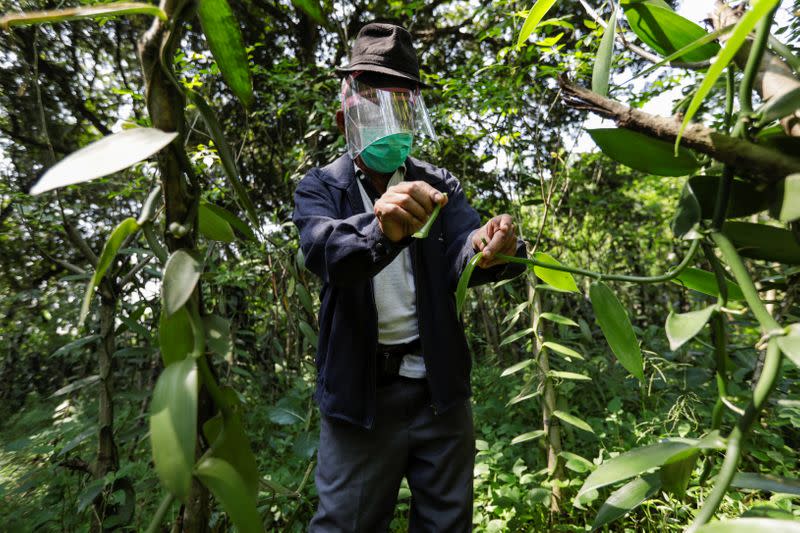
<point x="498" y="236"/>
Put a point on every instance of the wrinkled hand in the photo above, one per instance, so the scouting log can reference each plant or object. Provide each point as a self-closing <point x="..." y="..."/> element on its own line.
<point x="404" y="208"/>
<point x="498" y="236"/>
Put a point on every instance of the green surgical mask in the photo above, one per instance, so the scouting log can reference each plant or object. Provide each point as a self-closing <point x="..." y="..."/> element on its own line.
<point x="386" y="154"/>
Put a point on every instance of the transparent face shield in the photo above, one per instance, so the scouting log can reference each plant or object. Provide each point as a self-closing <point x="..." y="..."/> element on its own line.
<point x="371" y="114"/>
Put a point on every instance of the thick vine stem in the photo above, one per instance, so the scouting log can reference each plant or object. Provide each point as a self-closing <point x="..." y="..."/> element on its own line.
<point x="675" y="272"/>
<point x="161" y="512"/>
<point x="754" y="62"/>
<point x="731" y="256"/>
<point x="763" y="387"/>
<point x="736" y="439"/>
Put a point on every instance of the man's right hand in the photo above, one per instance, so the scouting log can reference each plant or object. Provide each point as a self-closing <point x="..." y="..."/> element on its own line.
<point x="405" y="207"/>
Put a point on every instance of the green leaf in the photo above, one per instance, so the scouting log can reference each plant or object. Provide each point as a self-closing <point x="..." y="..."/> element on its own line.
<point x="766" y="482"/>
<point x="530" y="435"/>
<point x="675" y="474"/>
<point x="768" y="511"/>
<point x="305" y="444"/>
<point x="175" y="336"/>
<point x="666" y="32"/>
<point x="751" y="525"/>
<point x="312" y="9"/>
<point x="218" y="335"/>
<point x="426" y="228"/>
<point x="746" y="197"/>
<point x="75" y="345"/>
<point x="231" y="491"/>
<point x="125" y="229"/>
<point x="790" y="344"/>
<point x="309" y="333"/>
<point x="691" y="47"/>
<point x="558" y="319"/>
<point x="234" y="448"/>
<point x="573" y="420"/>
<point x="106" y="156"/>
<point x="561" y="349"/>
<point x="181" y="274"/>
<point x="568" y="375"/>
<point x="101" y="11"/>
<point x="776" y="108"/>
<point x="463" y="282"/>
<point x="285" y="413"/>
<point x="605" y="52"/>
<point x="513" y="369"/>
<point x="557" y="279"/>
<point x="173" y="426"/>
<point x="625" y="499"/>
<point x="226" y="156"/>
<point x="226" y="44"/>
<point x="633" y="463"/>
<point x="78" y="384"/>
<point x="535" y="16"/>
<point x="617" y="329"/>
<point x="236" y="223"/>
<point x="789" y="199"/>
<point x="759" y="9"/>
<point x="687" y="217"/>
<point x="759" y="241"/>
<point x="706" y="283"/>
<point x="644" y="153"/>
<point x="305" y="298"/>
<point x="684" y="326"/>
<point x="90" y="493"/>
<point x="150" y="206"/>
<point x="517" y="335"/>
<point x="213" y="226"/>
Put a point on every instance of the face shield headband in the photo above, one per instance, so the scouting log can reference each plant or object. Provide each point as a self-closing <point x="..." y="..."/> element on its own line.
<point x="372" y="115"/>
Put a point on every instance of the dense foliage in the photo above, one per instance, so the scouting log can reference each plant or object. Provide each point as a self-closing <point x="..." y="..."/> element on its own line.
<point x="157" y="346"/>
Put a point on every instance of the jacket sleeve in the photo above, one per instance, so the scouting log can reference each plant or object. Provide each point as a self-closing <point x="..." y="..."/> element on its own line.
<point x="341" y="251"/>
<point x="460" y="223"/>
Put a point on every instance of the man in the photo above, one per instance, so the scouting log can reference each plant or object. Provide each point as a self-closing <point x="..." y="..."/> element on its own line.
<point x="392" y="361"/>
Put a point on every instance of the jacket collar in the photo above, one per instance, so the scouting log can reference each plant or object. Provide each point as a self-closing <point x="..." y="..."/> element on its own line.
<point x="342" y="175"/>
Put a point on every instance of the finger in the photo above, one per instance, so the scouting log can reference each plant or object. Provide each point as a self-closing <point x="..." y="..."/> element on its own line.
<point x="391" y="213"/>
<point x="496" y="243"/>
<point x="427" y="191"/>
<point x="505" y="222"/>
<point x="408" y="203"/>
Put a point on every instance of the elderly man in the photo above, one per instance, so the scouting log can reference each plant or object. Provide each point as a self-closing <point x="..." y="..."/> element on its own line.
<point x="393" y="365"/>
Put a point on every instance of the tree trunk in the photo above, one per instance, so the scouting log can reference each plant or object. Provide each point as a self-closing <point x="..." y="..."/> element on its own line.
<point x="165" y="104"/>
<point x="107" y="459"/>
<point x="549" y="424"/>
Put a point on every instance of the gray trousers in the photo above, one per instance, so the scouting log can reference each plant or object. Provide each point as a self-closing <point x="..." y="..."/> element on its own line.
<point x="359" y="471"/>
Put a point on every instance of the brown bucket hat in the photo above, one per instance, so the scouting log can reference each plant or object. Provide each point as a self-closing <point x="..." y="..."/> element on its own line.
<point x="385" y="49"/>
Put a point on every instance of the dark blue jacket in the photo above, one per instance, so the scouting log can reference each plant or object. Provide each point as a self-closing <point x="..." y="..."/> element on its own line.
<point x="345" y="247"/>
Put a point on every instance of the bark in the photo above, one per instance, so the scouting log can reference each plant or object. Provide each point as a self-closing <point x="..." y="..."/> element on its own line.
<point x="774" y="77"/>
<point x="165" y="104"/>
<point x="549" y="423"/>
<point x="753" y="161"/>
<point x="107" y="459"/>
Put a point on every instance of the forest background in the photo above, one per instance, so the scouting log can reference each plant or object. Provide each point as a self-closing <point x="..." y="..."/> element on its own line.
<point x="557" y="393"/>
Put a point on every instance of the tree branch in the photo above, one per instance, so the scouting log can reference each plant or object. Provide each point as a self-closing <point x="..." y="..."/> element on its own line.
<point x="748" y="159"/>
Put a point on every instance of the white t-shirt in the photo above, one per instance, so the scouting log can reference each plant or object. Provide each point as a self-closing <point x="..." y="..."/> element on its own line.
<point x="395" y="296"/>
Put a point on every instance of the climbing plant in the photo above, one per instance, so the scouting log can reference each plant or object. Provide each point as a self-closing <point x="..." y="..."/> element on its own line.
<point x="746" y="167"/>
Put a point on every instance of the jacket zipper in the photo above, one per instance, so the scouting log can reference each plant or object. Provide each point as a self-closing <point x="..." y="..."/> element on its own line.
<point x="374" y="358"/>
<point x="417" y="286"/>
